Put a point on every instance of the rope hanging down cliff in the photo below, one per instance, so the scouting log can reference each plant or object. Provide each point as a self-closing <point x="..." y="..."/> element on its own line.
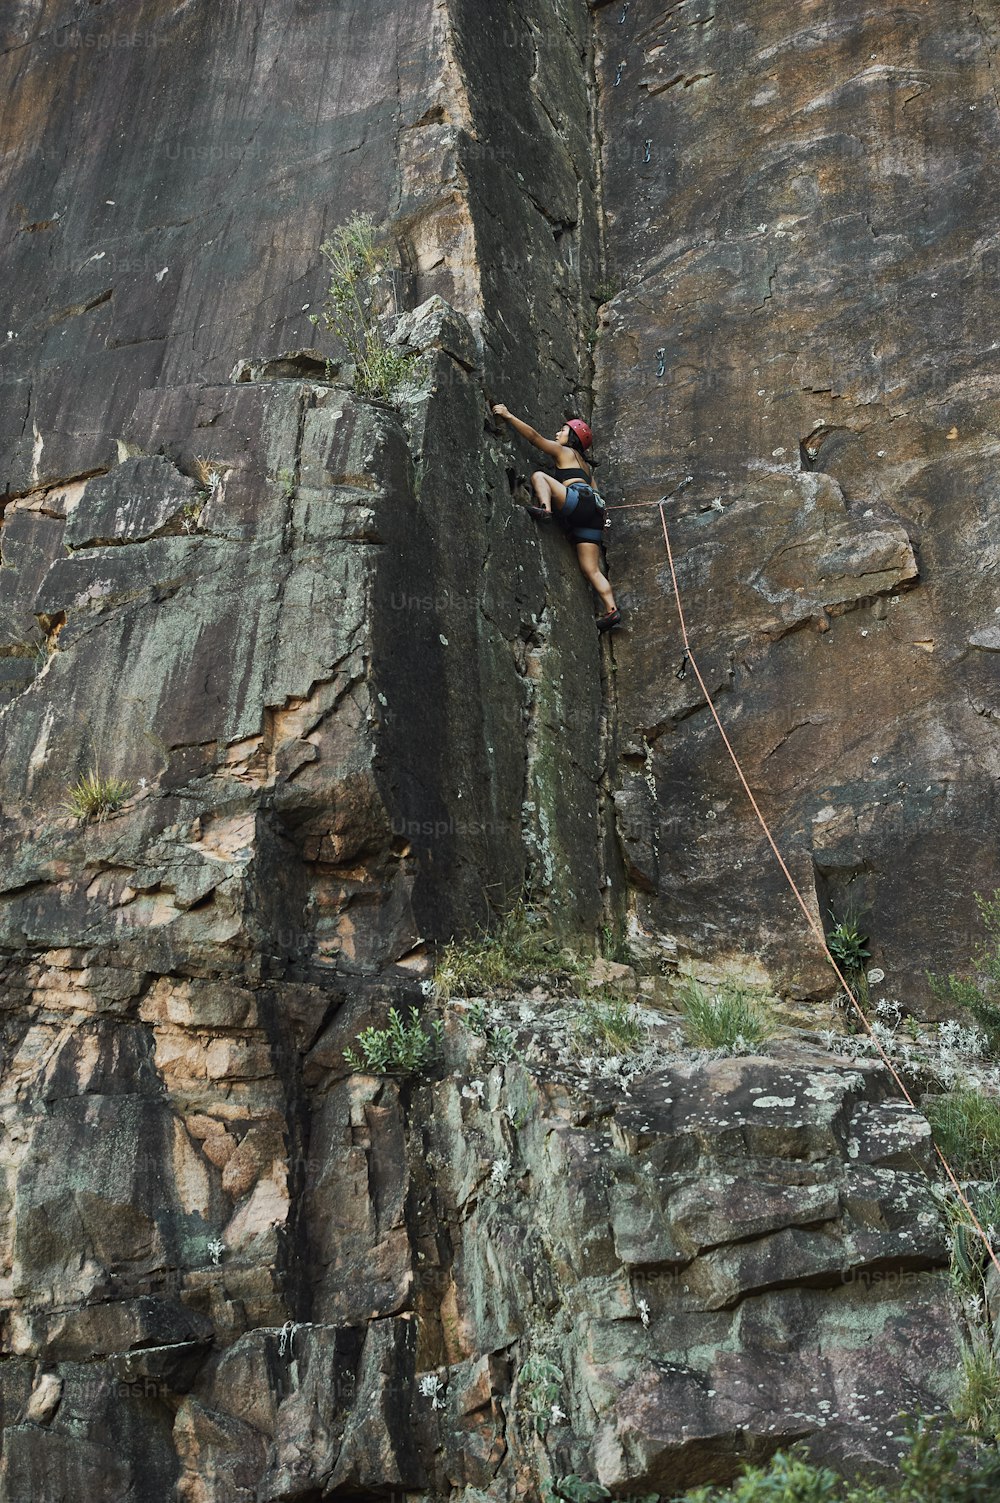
<point x="810" y="919"/>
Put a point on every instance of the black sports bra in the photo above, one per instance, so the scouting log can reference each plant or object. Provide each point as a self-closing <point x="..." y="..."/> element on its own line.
<point x="565" y="475"/>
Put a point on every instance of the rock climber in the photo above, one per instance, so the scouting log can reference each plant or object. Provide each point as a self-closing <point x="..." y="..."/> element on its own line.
<point x="570" y="491"/>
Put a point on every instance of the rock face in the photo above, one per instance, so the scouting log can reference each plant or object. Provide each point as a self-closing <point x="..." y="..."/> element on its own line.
<point x="358" y="702"/>
<point x="802" y="325"/>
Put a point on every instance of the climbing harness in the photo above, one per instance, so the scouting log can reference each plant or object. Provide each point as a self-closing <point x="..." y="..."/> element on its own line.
<point x="583" y="500"/>
<point x="813" y="925"/>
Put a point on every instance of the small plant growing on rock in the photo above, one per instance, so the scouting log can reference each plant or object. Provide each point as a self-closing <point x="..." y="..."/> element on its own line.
<point x="486" y="1021"/>
<point x="499" y="1175"/>
<point x="572" y="1489"/>
<point x="95" y="798"/>
<point x="849" y="948"/>
<point x="401" y="1049"/>
<point x="979" y="993"/>
<point x="607" y="290"/>
<point x="615" y="945"/>
<point x="609" y="1026"/>
<point x="356" y="267"/>
<point x="39" y="647"/>
<point x="540" y="1382"/>
<point x="191" y="514"/>
<point x="730" y="1018"/>
<point x="966" y="1128"/>
<point x="515" y="953"/>
<point x="208" y="473"/>
<point x="847" y="944"/>
<point x="432" y="1388"/>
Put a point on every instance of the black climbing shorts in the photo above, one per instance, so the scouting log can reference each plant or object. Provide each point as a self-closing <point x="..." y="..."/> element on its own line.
<point x="583" y="514"/>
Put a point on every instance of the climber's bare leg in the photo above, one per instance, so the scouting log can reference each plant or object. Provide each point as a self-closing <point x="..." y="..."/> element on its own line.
<point x="589" y="558"/>
<point x="549" y="494"/>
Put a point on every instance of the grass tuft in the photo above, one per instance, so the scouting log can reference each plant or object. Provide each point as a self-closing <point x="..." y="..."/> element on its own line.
<point x="731" y="1017"/>
<point x="966" y="1128"/>
<point x="978" y="1402"/>
<point x="608" y="1025"/>
<point x="95" y="798"/>
<point x="516" y="953"/>
<point x="208" y="472"/>
<point x="614" y="944"/>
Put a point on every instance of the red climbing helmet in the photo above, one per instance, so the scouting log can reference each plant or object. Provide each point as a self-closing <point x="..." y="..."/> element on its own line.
<point x="582" y="431"/>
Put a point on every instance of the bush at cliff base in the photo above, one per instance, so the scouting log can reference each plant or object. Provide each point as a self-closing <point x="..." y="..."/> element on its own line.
<point x="940" y="1466"/>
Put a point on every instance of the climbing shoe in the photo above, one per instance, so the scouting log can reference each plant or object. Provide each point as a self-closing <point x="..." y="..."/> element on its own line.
<point x="540" y="513"/>
<point x="605" y="623"/>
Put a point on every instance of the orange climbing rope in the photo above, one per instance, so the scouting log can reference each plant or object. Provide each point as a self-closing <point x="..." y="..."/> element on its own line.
<point x="810" y="920"/>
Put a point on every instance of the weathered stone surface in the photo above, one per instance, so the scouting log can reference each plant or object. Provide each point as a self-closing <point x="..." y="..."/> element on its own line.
<point x="802" y="324"/>
<point x="359" y="703"/>
<point x="137" y="500"/>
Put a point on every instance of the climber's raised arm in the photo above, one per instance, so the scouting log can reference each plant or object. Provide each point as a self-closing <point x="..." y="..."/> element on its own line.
<point x="547" y="445"/>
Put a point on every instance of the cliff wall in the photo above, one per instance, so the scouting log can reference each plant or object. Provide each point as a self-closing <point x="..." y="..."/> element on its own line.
<point x="359" y="701"/>
<point x="804" y="266"/>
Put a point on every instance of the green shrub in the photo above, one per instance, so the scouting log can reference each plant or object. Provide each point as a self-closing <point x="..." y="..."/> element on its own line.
<point x="980" y="993"/>
<point x="966" y="1128"/>
<point x="787" y="1479"/>
<point x="939" y="1465"/>
<point x="540" y="1382"/>
<point x="731" y="1017"/>
<point x="516" y="953"/>
<point x="94" y="797"/>
<point x="350" y="309"/>
<point x="400" y="1049"/>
